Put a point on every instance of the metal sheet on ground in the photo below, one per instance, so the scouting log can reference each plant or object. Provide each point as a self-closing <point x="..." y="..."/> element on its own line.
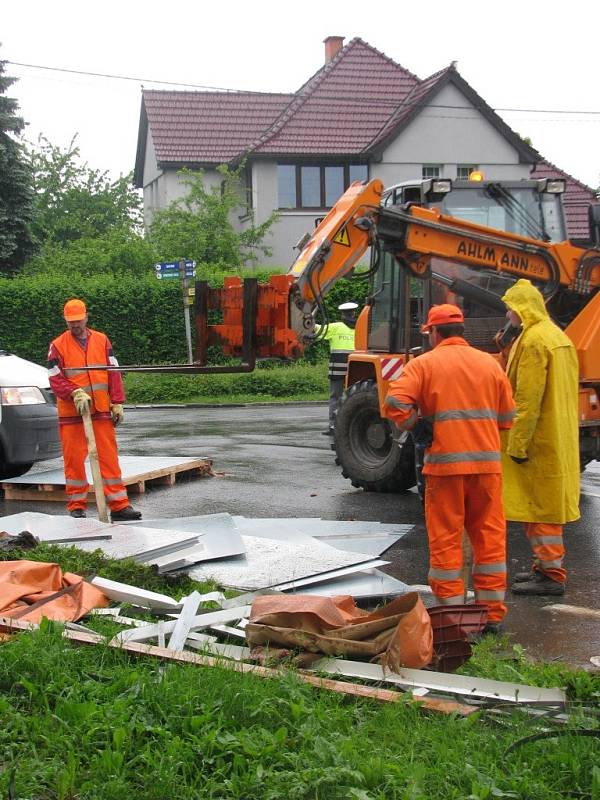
<point x="131" y="466"/>
<point x="196" y="524"/>
<point x="141" y="544"/>
<point x="360" y="585"/>
<point x="268" y="563"/>
<point x="447" y="683"/>
<point x="590" y="480"/>
<point x="56" y="529"/>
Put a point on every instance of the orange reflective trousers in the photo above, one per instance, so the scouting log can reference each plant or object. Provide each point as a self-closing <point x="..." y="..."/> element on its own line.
<point x="75" y="450"/>
<point x="546" y="540"/>
<point x="472" y="502"/>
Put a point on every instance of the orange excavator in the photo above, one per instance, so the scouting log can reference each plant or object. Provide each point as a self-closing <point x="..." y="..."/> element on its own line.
<point x="430" y="241"/>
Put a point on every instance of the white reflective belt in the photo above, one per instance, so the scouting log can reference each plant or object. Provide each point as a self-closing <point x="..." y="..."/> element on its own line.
<point x="445" y="574"/>
<point x="122" y="495"/>
<point x="457" y="600"/>
<point x="452" y="458"/>
<point x="486" y="594"/>
<point x="489" y="569"/>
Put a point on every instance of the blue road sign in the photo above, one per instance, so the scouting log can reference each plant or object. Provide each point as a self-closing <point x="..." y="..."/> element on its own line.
<point x="172" y="269"/>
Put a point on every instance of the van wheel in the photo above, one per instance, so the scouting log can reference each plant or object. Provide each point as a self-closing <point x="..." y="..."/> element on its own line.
<point x="14" y="470"/>
<point x="367" y="446"/>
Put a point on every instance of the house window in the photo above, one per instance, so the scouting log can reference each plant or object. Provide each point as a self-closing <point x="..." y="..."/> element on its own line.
<point x="464" y="170"/>
<point x="286" y="185"/>
<point x="310" y="187"/>
<point x="316" y="186"/>
<point x="431" y="171"/>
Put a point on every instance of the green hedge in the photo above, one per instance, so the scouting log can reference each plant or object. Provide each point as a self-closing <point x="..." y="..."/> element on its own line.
<point x="142" y="316"/>
<point x="298" y="380"/>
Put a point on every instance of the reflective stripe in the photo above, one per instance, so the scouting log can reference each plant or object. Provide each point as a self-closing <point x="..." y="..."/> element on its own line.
<point x="96" y="387"/>
<point x="117" y="495"/>
<point x="507" y="416"/>
<point x="557" y="563"/>
<point x="551" y="540"/>
<point x="457" y="600"/>
<point x="457" y="414"/>
<point x="391" y="401"/>
<point x="54" y="371"/>
<point x="71" y="482"/>
<point x="77" y="495"/>
<point x="112" y="481"/>
<point x="445" y="574"/>
<point x="73" y="372"/>
<point x="489" y="569"/>
<point x="410" y="421"/>
<point x="451" y="458"/>
<point x="481" y="594"/>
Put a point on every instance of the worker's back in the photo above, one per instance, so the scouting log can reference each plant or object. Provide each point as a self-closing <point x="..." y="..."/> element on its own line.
<point x="465" y="394"/>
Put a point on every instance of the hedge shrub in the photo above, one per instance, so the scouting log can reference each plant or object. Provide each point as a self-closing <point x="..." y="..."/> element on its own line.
<point x="142" y="315"/>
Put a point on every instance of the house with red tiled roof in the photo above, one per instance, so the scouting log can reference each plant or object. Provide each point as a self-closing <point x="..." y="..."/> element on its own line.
<point x="361" y="115"/>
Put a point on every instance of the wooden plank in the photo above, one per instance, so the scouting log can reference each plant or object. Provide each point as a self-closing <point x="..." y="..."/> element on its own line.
<point x="136" y="484"/>
<point x="185" y="657"/>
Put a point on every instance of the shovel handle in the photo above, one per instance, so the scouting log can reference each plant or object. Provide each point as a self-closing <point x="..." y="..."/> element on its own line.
<point x="95" y="465"/>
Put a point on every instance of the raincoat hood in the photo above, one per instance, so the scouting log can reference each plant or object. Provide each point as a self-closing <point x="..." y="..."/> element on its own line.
<point x="527" y="302"/>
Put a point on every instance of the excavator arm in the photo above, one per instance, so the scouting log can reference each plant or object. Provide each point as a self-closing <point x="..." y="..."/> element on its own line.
<point x="276" y="319"/>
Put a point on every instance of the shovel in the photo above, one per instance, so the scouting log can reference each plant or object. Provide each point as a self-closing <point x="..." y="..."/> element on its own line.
<point x="95" y="465"/>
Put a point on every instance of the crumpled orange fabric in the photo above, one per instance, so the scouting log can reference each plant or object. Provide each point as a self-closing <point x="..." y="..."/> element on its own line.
<point x="23" y="583"/>
<point x="400" y="633"/>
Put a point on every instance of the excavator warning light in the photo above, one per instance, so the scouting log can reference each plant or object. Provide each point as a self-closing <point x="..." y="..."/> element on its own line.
<point x="552" y="185"/>
<point x="476" y="175"/>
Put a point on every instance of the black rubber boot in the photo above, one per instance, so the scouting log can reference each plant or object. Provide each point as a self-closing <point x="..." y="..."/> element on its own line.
<point x="125" y="514"/>
<point x="78" y="513"/>
<point x="490" y="629"/>
<point x="539" y="584"/>
<point x="521" y="577"/>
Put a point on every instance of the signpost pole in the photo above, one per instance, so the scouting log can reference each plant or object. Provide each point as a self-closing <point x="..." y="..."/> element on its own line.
<point x="186" y="309"/>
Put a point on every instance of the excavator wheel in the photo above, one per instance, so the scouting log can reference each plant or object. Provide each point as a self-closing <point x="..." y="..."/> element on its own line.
<point x="367" y="447"/>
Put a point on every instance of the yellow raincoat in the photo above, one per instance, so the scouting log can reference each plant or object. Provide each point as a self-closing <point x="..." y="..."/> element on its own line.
<point x="544" y="373"/>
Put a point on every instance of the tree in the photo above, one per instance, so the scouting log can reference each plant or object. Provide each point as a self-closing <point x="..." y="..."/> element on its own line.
<point x="199" y="225"/>
<point x="73" y="201"/>
<point x="16" y="194"/>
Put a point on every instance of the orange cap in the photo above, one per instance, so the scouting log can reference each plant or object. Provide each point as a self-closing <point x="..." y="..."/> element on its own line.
<point x="74" y="310"/>
<point x="445" y="314"/>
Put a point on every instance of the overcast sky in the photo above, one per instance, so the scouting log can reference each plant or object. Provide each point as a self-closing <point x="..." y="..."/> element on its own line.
<point x="528" y="55"/>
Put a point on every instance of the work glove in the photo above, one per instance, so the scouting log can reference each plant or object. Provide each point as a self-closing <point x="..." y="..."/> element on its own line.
<point x="518" y="460"/>
<point x="82" y="400"/>
<point x="117" y="413"/>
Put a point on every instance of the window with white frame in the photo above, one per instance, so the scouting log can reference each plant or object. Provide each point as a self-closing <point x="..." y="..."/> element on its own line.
<point x="464" y="170"/>
<point x="316" y="185"/>
<point x="431" y="170"/>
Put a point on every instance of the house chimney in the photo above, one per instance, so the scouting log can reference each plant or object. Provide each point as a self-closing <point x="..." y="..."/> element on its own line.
<point x="333" y="44"/>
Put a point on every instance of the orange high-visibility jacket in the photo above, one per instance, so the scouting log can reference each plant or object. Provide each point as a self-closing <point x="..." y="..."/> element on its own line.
<point x="467" y="397"/>
<point x="68" y="364"/>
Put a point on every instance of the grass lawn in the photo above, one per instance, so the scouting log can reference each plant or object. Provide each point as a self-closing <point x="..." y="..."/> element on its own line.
<point x="93" y="723"/>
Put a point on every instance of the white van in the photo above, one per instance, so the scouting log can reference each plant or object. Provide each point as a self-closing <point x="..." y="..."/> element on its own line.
<point x="28" y="418"/>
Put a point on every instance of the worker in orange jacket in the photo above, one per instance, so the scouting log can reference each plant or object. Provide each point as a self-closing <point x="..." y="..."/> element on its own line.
<point x="78" y="388"/>
<point x="467" y="397"/>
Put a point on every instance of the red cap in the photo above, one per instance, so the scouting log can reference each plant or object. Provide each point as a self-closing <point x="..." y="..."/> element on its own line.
<point x="445" y="314"/>
<point x="74" y="310"/>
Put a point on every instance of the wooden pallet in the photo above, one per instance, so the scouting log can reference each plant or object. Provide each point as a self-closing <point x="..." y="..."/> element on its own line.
<point x="136" y="484"/>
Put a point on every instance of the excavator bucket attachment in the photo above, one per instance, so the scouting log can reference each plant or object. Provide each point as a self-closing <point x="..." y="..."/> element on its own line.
<point x="255" y="321"/>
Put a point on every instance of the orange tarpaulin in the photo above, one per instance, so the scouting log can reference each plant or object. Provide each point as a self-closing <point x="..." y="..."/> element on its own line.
<point x="399" y="634"/>
<point x="31" y="590"/>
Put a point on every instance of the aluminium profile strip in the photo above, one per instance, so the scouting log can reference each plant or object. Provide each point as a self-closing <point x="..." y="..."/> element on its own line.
<point x="444" y="682"/>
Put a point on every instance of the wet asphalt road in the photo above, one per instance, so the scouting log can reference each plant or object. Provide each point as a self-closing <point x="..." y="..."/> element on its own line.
<point x="277" y="464"/>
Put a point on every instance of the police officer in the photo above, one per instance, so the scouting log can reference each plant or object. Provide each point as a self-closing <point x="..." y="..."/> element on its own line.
<point x="340" y="336"/>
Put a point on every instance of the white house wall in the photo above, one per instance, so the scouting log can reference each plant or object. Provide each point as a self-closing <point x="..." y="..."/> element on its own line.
<point x="449" y="136"/>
